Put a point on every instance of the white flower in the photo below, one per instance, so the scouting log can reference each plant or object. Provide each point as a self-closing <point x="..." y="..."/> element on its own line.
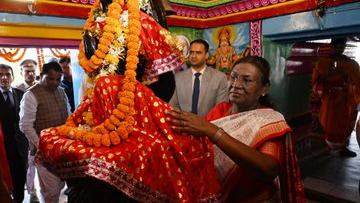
<point x="124" y="18"/>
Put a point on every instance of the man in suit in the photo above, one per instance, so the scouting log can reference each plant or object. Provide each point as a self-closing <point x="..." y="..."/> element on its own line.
<point x="199" y="88"/>
<point x="16" y="144"/>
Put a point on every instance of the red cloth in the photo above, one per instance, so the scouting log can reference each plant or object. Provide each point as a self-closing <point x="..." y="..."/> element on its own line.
<point x="4" y="162"/>
<point x="155" y="164"/>
<point x="340" y="95"/>
<point x="274" y="140"/>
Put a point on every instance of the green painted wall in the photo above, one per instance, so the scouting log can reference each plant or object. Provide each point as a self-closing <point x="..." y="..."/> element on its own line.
<point x="291" y="94"/>
<point x="190" y="33"/>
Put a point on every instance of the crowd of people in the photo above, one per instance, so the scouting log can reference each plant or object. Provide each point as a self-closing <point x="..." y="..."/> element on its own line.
<point x="28" y="108"/>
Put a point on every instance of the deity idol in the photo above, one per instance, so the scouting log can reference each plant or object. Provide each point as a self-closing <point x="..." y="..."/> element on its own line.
<point x="117" y="146"/>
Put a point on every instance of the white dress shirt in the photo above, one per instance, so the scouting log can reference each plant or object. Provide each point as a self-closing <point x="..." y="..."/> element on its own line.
<point x="28" y="109"/>
<point x="200" y="77"/>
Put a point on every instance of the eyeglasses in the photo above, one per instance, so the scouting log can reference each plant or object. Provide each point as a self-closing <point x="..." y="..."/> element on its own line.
<point x="244" y="81"/>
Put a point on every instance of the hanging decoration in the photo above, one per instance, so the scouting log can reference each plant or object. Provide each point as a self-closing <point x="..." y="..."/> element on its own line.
<point x="40" y="56"/>
<point x="60" y="53"/>
<point x="12" y="54"/>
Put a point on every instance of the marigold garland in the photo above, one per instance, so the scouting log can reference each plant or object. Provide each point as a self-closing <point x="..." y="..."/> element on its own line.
<point x="120" y="123"/>
<point x="11" y="57"/>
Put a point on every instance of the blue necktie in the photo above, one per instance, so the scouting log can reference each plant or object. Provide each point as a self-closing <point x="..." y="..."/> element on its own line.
<point x="195" y="96"/>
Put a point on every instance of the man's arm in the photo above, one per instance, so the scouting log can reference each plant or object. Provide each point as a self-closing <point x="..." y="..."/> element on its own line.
<point x="174" y="101"/>
<point x="68" y="107"/>
<point x="222" y="92"/>
<point x="28" y="109"/>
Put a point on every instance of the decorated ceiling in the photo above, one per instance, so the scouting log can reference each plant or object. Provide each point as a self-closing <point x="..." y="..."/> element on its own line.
<point x="192" y="13"/>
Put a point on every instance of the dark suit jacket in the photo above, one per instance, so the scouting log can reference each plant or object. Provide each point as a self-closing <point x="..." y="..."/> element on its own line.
<point x="15" y="140"/>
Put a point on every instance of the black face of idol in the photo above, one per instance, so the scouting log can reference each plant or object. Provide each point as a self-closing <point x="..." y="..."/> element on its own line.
<point x="165" y="86"/>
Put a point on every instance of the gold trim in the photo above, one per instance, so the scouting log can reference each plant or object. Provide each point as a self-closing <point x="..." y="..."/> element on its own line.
<point x="40" y="31"/>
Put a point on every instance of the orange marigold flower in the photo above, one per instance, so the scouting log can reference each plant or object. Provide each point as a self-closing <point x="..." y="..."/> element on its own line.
<point x="105" y="42"/>
<point x="114" y="120"/>
<point x="130" y="73"/>
<point x="114" y="14"/>
<point x="127" y="94"/>
<point x="135" y="31"/>
<point x="130" y="119"/>
<point x="123" y="108"/>
<point x="108" y="28"/>
<point x="95" y="60"/>
<point x="105" y="140"/>
<point x="133" y="45"/>
<point x="114" y="138"/>
<point x="109" y="36"/>
<point x="122" y="132"/>
<point x="120" y="115"/>
<point x="132" y="38"/>
<point x="128" y="86"/>
<point x="108" y="125"/>
<point x="89" y="138"/>
<point x="97" y="139"/>
<point x="99" y="54"/>
<point x="132" y="52"/>
<point x="100" y="129"/>
<point x="127" y="101"/>
<point x="133" y="7"/>
<point x="132" y="59"/>
<point x="103" y="48"/>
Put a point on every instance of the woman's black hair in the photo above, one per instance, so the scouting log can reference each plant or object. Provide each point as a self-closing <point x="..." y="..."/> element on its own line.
<point x="264" y="67"/>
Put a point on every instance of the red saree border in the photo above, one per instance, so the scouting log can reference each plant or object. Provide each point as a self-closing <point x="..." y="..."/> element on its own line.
<point x="270" y="131"/>
<point x="111" y="174"/>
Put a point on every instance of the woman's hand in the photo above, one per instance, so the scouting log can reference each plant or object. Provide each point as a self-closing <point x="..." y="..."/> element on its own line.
<point x="185" y="122"/>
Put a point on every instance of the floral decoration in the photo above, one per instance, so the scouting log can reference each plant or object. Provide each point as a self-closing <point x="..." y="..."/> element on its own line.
<point x="111" y="28"/>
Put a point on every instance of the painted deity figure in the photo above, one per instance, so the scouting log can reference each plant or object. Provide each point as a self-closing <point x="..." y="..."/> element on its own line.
<point x="225" y="55"/>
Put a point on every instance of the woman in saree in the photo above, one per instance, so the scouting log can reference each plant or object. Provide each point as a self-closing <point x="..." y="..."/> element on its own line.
<point x="254" y="153"/>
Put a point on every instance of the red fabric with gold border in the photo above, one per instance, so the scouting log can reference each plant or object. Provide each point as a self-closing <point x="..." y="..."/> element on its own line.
<point x="155" y="164"/>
